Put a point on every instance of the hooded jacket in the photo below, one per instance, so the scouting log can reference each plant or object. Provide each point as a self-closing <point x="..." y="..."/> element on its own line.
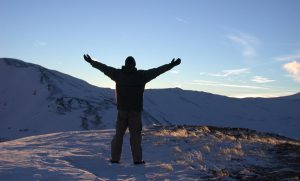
<point x="130" y="83"/>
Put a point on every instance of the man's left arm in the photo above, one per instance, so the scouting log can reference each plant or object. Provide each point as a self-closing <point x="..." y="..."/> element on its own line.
<point x="153" y="73"/>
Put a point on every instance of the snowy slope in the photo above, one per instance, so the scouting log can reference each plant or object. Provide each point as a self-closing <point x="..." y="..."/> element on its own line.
<point x="35" y="100"/>
<point x="171" y="153"/>
<point x="279" y="115"/>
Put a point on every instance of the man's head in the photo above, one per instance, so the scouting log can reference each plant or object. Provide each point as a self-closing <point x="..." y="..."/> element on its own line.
<point x="130" y="62"/>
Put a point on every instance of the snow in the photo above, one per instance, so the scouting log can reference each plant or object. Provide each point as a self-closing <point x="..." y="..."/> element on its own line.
<point x="177" y="106"/>
<point x="171" y="153"/>
<point x="35" y="100"/>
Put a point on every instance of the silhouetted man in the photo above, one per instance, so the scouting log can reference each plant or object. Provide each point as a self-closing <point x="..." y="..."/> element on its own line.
<point x="130" y="85"/>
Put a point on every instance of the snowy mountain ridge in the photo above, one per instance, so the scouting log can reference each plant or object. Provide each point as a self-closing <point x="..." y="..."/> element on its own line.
<point x="35" y="100"/>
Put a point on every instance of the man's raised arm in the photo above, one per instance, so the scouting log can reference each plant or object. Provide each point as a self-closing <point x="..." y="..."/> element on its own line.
<point x="107" y="70"/>
<point x="153" y="73"/>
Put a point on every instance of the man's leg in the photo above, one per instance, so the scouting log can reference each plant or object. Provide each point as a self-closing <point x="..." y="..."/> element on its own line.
<point x="135" y="128"/>
<point x="117" y="142"/>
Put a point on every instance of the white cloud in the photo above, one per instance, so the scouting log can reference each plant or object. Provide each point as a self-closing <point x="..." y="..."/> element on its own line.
<point x="219" y="84"/>
<point x="181" y="20"/>
<point x="265" y="95"/>
<point x="288" y="57"/>
<point x="260" y="79"/>
<point x="38" y="43"/>
<point x="293" y="68"/>
<point x="174" y="72"/>
<point x="246" y="42"/>
<point x="232" y="72"/>
<point x="203" y="82"/>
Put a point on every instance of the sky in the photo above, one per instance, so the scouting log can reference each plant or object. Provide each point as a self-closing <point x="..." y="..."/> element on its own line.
<point x="233" y="48"/>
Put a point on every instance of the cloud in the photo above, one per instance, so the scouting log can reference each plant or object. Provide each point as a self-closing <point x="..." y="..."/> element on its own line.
<point x="246" y="42"/>
<point x="181" y="20"/>
<point x="293" y="68"/>
<point x="219" y="84"/>
<point x="38" y="43"/>
<point x="228" y="73"/>
<point x="288" y="57"/>
<point x="203" y="82"/>
<point x="261" y="80"/>
<point x="265" y="95"/>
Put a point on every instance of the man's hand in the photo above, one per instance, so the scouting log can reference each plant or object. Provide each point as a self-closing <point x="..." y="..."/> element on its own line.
<point x="87" y="58"/>
<point x="176" y="62"/>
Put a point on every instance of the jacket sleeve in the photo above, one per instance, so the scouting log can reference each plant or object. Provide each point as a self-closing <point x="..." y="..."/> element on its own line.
<point x="153" y="73"/>
<point x="107" y="70"/>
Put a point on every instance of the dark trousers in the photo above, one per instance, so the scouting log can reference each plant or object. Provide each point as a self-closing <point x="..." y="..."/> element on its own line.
<point x="133" y="121"/>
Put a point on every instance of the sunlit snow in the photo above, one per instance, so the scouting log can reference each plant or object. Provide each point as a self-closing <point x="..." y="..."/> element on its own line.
<point x="174" y="153"/>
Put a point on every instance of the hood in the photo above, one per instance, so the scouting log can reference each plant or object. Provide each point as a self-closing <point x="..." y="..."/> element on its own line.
<point x="128" y="69"/>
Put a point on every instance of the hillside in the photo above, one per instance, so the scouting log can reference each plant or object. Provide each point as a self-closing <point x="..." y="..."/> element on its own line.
<point x="171" y="153"/>
<point x="35" y="100"/>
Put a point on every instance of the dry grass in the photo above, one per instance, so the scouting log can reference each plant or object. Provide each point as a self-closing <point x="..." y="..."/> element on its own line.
<point x="198" y="156"/>
<point x="210" y="151"/>
<point x="267" y="140"/>
<point x="221" y="173"/>
<point x="160" y="142"/>
<point x="203" y="129"/>
<point x="192" y="157"/>
<point x="177" y="149"/>
<point x="235" y="151"/>
<point x="202" y="168"/>
<point x="180" y="133"/>
<point x="166" y="166"/>
<point x="230" y="138"/>
<point x="206" y="148"/>
<point x="184" y="133"/>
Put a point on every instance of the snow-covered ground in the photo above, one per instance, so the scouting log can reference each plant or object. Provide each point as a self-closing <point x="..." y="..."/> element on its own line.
<point x="35" y="100"/>
<point x="171" y="153"/>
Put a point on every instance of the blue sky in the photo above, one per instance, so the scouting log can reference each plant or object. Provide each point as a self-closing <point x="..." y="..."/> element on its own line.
<point x="234" y="48"/>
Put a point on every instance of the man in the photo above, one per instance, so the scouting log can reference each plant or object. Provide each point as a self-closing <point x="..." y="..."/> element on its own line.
<point x="130" y="86"/>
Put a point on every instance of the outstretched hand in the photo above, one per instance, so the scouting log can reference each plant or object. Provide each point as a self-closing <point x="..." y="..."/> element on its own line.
<point x="87" y="58"/>
<point x="176" y="62"/>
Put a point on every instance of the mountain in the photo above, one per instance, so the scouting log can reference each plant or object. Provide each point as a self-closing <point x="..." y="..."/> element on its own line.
<point x="294" y="96"/>
<point x="35" y="100"/>
<point x="171" y="153"/>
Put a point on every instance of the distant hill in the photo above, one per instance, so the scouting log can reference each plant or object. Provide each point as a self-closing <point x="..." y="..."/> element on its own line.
<point x="35" y="100"/>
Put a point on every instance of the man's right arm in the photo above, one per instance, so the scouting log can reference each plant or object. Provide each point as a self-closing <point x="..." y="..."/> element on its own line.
<point x="107" y="70"/>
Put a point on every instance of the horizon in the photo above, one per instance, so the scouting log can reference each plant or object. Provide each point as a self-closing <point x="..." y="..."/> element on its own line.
<point x="232" y="48"/>
<point x="154" y="88"/>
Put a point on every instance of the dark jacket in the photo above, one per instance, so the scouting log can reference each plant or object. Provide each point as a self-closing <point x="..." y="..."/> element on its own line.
<point x="130" y="83"/>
